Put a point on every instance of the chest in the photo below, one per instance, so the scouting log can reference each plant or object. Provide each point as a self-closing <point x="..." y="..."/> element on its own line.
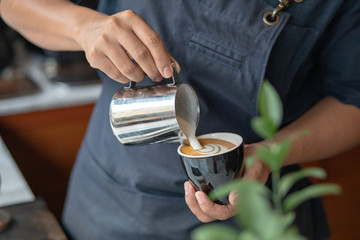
<point x="225" y="48"/>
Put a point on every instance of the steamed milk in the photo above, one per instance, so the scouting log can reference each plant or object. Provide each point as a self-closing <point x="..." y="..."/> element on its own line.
<point x="189" y="131"/>
<point x="210" y="146"/>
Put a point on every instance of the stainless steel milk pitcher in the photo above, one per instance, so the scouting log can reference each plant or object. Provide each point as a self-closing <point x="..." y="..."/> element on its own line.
<point x="153" y="114"/>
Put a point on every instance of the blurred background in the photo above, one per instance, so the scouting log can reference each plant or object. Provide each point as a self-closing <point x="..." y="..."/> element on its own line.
<point x="46" y="99"/>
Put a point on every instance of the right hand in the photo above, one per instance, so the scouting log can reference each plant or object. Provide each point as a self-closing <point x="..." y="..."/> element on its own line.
<point x="206" y="210"/>
<point x="111" y="42"/>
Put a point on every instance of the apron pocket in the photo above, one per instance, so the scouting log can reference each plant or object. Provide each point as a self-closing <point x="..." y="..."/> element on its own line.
<point x="227" y="50"/>
<point x="216" y="52"/>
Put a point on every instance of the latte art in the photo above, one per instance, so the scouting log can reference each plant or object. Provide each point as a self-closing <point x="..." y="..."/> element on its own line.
<point x="211" y="146"/>
<point x="211" y="149"/>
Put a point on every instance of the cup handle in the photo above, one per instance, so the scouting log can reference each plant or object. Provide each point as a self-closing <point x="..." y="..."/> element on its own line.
<point x="175" y="78"/>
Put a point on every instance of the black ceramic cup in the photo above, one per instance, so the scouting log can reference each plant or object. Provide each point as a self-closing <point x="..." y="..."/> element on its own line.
<point x="208" y="172"/>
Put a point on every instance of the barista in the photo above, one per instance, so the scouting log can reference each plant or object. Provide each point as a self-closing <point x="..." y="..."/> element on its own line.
<point x="225" y="49"/>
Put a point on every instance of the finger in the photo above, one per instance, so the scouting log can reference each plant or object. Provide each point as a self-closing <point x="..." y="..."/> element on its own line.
<point x="122" y="62"/>
<point x="140" y="53"/>
<point x="111" y="70"/>
<point x="212" y="209"/>
<point x="193" y="204"/>
<point x="232" y="199"/>
<point x="121" y="28"/>
<point x="177" y="65"/>
<point x="154" y="43"/>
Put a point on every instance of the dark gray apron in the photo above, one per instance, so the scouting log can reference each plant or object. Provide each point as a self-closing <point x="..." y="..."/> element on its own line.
<point x="122" y="192"/>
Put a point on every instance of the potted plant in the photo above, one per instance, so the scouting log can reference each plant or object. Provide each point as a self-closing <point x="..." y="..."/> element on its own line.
<point x="261" y="213"/>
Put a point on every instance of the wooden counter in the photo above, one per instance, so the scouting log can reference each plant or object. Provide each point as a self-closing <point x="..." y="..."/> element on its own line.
<point x="44" y="144"/>
<point x="32" y="221"/>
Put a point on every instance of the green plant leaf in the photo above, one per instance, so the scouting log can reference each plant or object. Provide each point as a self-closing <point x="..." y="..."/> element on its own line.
<point x="236" y="185"/>
<point x="254" y="206"/>
<point x="270" y="105"/>
<point x="250" y="160"/>
<point x="288" y="180"/>
<point x="288" y="219"/>
<point x="274" y="155"/>
<point x="255" y="212"/>
<point x="263" y="127"/>
<point x="265" y="155"/>
<point x="291" y="234"/>
<point x="296" y="198"/>
<point x="247" y="235"/>
<point x="215" y="231"/>
<point x="298" y="134"/>
<point x="279" y="151"/>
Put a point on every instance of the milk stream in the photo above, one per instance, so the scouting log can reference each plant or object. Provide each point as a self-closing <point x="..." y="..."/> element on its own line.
<point x="194" y="142"/>
<point x="189" y="132"/>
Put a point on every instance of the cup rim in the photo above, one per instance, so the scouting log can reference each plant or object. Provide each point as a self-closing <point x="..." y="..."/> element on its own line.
<point x="239" y="141"/>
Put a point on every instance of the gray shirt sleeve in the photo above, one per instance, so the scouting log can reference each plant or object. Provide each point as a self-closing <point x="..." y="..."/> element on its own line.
<point x="339" y="57"/>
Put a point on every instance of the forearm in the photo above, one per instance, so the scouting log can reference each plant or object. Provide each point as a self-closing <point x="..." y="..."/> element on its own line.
<point x="52" y="25"/>
<point x="333" y="127"/>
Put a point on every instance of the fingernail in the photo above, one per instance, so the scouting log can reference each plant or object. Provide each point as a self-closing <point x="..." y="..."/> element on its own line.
<point x="186" y="186"/>
<point x="199" y="198"/>
<point x="158" y="79"/>
<point x="167" y="72"/>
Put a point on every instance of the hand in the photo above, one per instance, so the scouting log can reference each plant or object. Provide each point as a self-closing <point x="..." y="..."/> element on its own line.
<point x="206" y="210"/>
<point x="258" y="171"/>
<point x="111" y="42"/>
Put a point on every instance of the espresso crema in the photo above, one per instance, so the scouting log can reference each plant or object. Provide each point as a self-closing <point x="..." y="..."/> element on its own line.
<point x="210" y="146"/>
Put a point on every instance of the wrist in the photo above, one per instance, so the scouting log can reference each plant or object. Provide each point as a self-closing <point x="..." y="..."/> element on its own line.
<point x="84" y="22"/>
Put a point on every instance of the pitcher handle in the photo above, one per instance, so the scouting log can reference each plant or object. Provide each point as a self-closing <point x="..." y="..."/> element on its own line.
<point x="175" y="78"/>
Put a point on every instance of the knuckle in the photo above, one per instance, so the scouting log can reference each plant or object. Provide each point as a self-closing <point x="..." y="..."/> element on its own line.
<point x="142" y="53"/>
<point x="90" y="60"/>
<point x="93" y="52"/>
<point x="128" y="14"/>
<point x="138" y="79"/>
<point x="153" y="39"/>
<point x="163" y="58"/>
<point x="92" y="64"/>
<point x="116" y="75"/>
<point x="102" y="39"/>
<point x="127" y="70"/>
<point x="112" y="23"/>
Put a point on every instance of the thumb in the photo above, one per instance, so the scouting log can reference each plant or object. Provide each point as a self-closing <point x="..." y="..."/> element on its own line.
<point x="233" y="198"/>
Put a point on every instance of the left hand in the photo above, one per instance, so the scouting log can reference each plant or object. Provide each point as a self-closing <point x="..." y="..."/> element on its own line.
<point x="206" y="210"/>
